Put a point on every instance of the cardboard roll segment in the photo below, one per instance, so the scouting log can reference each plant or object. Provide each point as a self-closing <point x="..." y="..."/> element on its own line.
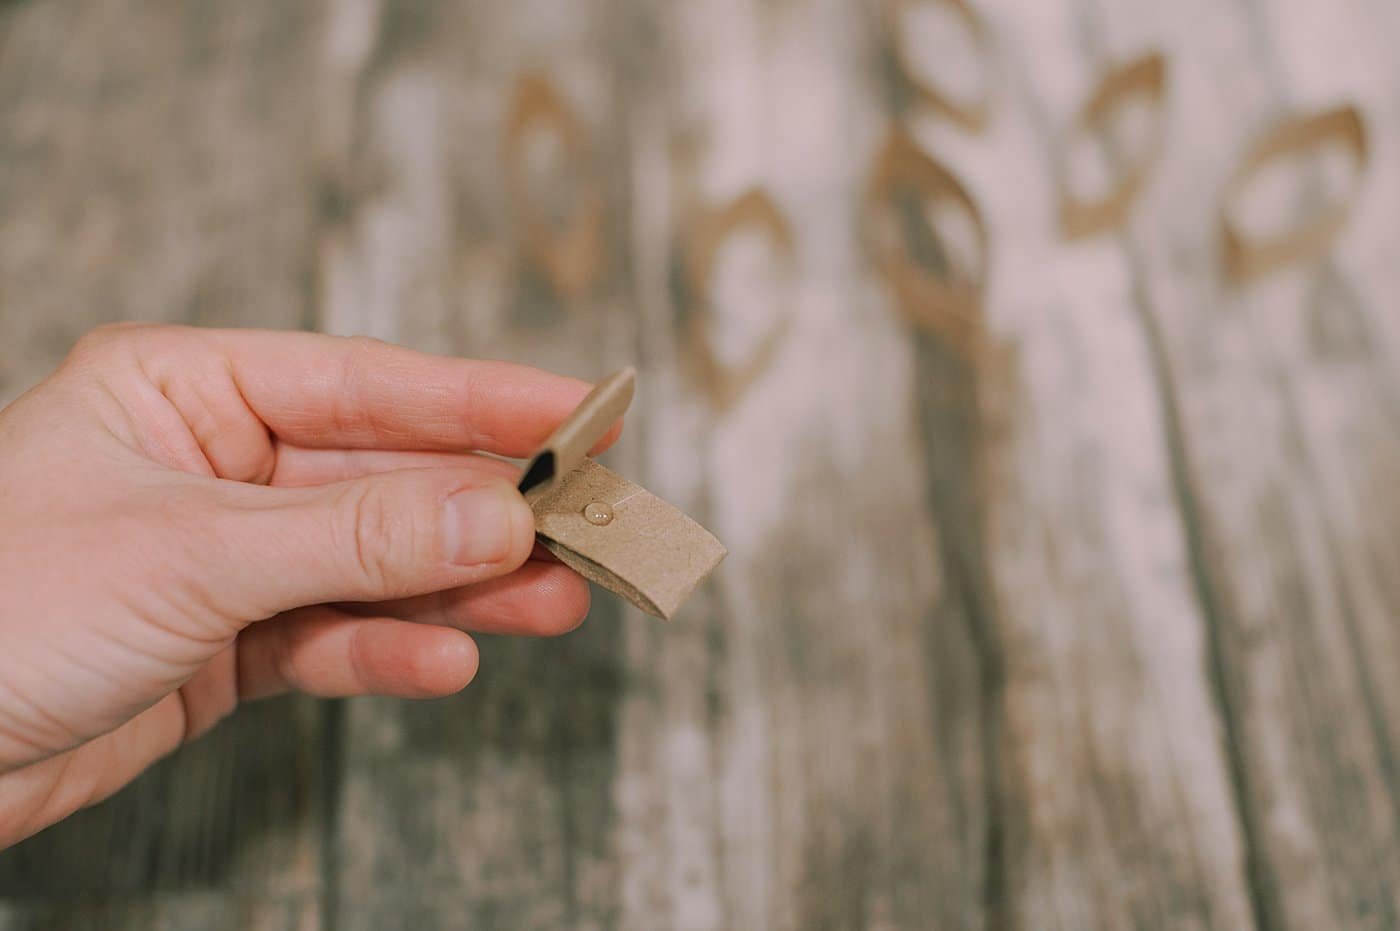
<point x="970" y="115"/>
<point x="1141" y="79"/>
<point x="931" y="290"/>
<point x="571" y="253"/>
<point x="619" y="535"/>
<point x="1247" y="256"/>
<point x="753" y="211"/>
<point x="613" y="532"/>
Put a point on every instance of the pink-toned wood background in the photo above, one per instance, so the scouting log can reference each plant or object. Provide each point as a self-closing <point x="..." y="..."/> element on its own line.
<point x="1093" y="628"/>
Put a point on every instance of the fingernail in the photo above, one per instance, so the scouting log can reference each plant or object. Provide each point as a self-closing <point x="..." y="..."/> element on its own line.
<point x="477" y="525"/>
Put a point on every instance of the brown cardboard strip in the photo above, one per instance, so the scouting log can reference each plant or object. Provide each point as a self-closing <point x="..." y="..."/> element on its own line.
<point x="754" y="209"/>
<point x="972" y="115"/>
<point x="1145" y="77"/>
<point x="647" y="551"/>
<point x="569" y="444"/>
<point x="951" y="304"/>
<point x="602" y="526"/>
<point x="571" y="257"/>
<point x="1245" y="257"/>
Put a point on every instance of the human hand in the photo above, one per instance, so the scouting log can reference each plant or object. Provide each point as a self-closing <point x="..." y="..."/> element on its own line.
<point x="193" y="518"/>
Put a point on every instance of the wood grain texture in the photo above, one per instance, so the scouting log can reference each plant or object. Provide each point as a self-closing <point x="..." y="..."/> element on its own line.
<point x="816" y="758"/>
<point x="1116" y="804"/>
<point x="1273" y="400"/>
<point x="1077" y="615"/>
<point x="495" y="808"/>
<point x="156" y="168"/>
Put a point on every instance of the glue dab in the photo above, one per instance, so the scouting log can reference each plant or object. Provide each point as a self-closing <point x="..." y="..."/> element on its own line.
<point x="598" y="513"/>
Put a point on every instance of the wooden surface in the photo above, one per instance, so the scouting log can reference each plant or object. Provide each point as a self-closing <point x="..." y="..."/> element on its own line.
<point x="1086" y="622"/>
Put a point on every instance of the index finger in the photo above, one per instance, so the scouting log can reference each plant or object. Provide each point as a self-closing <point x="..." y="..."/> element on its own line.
<point x="358" y="393"/>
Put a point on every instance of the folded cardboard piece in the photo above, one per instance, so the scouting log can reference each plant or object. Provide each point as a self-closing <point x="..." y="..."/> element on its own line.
<point x="1143" y="78"/>
<point x="605" y="528"/>
<point x="947" y="301"/>
<point x="1248" y="255"/>
<point x="970" y="115"/>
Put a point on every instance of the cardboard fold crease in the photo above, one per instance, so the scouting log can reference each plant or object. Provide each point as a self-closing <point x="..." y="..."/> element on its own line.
<point x="643" y="548"/>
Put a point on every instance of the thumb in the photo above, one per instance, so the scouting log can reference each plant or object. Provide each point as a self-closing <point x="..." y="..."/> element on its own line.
<point x="382" y="536"/>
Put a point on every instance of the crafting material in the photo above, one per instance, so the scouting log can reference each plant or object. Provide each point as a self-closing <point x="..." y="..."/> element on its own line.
<point x="569" y="253"/>
<point x="1248" y="256"/>
<point x="1143" y="78"/>
<point x="752" y="210"/>
<point x="946" y="300"/>
<point x="609" y="530"/>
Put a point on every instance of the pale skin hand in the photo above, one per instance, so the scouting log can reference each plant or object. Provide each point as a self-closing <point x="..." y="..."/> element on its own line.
<point x="194" y="518"/>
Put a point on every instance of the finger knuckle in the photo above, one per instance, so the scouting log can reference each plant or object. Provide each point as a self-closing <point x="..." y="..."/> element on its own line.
<point x="103" y="341"/>
<point x="382" y="539"/>
<point x="369" y="537"/>
<point x="122" y="339"/>
<point x="355" y="370"/>
<point x="359" y="356"/>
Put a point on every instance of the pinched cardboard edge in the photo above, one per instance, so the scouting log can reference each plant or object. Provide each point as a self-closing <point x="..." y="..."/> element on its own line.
<point x="649" y="552"/>
<point x="568" y="445"/>
<point x="609" y="530"/>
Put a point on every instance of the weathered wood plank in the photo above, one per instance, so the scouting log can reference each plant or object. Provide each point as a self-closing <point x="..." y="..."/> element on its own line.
<point x="215" y="910"/>
<point x="158" y="167"/>
<point x="1276" y="408"/>
<point x="1093" y="631"/>
<point x="1116" y="796"/>
<point x="728" y="776"/>
<point x="495" y="808"/>
<point x="815" y="760"/>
